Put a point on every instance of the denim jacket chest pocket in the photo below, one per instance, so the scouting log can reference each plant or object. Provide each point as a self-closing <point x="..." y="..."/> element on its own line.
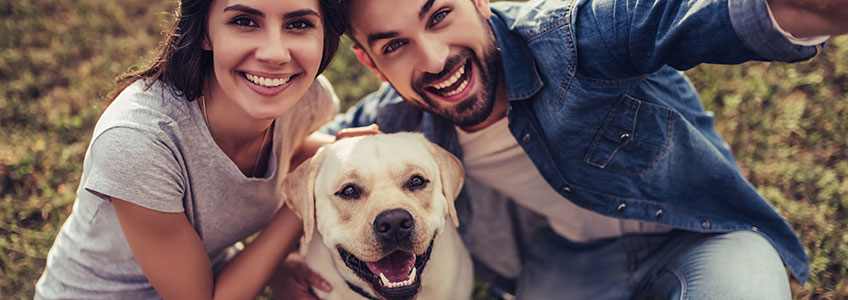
<point x="634" y="137"/>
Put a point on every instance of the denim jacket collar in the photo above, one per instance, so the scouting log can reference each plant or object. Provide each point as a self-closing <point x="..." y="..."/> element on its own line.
<point x="519" y="67"/>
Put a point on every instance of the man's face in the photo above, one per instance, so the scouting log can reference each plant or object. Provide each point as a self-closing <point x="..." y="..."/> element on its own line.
<point x="440" y="55"/>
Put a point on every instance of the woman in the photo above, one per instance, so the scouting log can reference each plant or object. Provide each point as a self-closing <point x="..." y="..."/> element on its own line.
<point x="170" y="185"/>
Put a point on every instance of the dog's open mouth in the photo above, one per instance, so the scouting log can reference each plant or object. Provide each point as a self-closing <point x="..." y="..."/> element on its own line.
<point x="396" y="276"/>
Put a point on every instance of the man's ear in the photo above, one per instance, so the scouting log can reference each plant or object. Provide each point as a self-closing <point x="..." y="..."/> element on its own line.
<point x="366" y="60"/>
<point x="483" y="8"/>
<point x="298" y="191"/>
<point x="452" y="175"/>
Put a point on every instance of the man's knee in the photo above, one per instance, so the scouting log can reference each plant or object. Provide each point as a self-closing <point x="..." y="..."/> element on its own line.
<point x="736" y="265"/>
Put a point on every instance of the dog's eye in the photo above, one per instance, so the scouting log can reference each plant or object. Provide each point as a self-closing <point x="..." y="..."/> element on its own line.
<point x="416" y="183"/>
<point x="349" y="192"/>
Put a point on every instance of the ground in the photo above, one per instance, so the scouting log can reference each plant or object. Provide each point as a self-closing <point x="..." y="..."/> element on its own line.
<point x="786" y="123"/>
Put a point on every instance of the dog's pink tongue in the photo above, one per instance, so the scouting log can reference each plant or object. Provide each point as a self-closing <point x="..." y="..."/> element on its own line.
<point x="395" y="266"/>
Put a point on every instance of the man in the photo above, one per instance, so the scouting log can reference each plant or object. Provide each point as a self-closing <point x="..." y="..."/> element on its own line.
<point x="577" y="111"/>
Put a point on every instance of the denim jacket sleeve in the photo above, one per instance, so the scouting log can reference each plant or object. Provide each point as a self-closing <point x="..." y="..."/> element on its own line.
<point x="619" y="39"/>
<point x="364" y="113"/>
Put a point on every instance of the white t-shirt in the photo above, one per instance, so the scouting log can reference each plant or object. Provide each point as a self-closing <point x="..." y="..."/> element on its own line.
<point x="493" y="157"/>
<point x="153" y="149"/>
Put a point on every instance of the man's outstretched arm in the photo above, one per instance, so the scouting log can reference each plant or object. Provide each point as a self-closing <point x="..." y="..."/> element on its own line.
<point x="808" y="18"/>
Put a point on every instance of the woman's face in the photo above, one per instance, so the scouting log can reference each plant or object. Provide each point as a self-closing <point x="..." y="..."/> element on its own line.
<point x="265" y="53"/>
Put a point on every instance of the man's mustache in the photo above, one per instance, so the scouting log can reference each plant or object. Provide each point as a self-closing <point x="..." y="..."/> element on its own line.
<point x="450" y="66"/>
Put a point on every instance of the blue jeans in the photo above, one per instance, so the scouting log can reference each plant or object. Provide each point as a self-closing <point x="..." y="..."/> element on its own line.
<point x="674" y="265"/>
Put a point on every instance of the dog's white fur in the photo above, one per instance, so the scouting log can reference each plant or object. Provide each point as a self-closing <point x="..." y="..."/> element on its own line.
<point x="381" y="165"/>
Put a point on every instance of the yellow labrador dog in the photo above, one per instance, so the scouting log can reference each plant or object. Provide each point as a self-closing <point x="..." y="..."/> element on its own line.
<point x="379" y="219"/>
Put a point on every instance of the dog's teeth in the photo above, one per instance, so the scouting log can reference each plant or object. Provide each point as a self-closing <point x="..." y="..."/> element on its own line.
<point x="411" y="278"/>
<point x="385" y="280"/>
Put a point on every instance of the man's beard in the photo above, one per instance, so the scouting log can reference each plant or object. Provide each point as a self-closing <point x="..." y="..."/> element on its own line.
<point x="477" y="107"/>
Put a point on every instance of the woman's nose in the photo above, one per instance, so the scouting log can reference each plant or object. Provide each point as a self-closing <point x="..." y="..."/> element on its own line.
<point x="273" y="50"/>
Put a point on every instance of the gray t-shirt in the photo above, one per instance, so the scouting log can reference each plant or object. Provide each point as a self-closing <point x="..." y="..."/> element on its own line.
<point x="153" y="149"/>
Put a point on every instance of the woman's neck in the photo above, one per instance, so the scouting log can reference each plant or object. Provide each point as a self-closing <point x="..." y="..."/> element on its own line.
<point x="241" y="137"/>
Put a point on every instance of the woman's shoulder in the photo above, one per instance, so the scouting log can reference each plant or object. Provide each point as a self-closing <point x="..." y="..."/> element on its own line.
<point x="147" y="105"/>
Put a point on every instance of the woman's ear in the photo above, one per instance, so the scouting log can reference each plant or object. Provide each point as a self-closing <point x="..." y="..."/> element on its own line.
<point x="206" y="44"/>
<point x="366" y="60"/>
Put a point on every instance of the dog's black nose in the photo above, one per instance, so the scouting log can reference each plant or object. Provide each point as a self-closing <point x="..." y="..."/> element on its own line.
<point x="393" y="226"/>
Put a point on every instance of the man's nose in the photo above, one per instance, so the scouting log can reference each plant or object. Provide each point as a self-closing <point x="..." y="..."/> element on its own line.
<point x="274" y="50"/>
<point x="432" y="56"/>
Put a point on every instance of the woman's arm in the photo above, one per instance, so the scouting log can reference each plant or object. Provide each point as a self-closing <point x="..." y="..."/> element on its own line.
<point x="175" y="261"/>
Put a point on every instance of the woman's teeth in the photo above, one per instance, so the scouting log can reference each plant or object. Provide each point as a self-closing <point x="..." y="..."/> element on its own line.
<point x="267" y="82"/>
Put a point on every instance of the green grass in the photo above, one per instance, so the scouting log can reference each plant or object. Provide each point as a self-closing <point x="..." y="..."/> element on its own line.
<point x="787" y="123"/>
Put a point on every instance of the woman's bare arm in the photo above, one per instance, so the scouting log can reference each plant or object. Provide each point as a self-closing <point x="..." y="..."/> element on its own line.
<point x="175" y="261"/>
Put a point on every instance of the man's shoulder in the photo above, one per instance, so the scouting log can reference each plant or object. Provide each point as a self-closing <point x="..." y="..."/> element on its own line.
<point x="534" y="17"/>
<point x="385" y="107"/>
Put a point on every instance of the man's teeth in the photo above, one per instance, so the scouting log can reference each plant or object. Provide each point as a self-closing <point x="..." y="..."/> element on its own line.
<point x="450" y="81"/>
<point x="386" y="283"/>
<point x="266" y="82"/>
<point x="458" y="89"/>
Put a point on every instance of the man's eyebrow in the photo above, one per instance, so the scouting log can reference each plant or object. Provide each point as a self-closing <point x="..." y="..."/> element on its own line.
<point x="390" y="34"/>
<point x="379" y="36"/>
<point x="301" y="13"/>
<point x="244" y="9"/>
<point x="425" y="9"/>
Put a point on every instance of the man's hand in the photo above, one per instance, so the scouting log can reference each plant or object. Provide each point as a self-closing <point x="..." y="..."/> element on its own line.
<point x="358" y="131"/>
<point x="810" y="18"/>
<point x="293" y="280"/>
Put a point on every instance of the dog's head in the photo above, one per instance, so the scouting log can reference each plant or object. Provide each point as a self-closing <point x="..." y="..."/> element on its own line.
<point x="378" y="202"/>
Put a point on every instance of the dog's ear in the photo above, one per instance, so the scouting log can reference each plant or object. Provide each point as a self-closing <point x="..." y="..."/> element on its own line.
<point x="298" y="191"/>
<point x="452" y="175"/>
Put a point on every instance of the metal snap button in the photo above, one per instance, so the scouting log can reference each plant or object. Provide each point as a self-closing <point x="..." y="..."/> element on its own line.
<point x="705" y="224"/>
<point x="566" y="189"/>
<point x="625" y="137"/>
<point x="659" y="213"/>
<point x="527" y="138"/>
<point x="621" y="207"/>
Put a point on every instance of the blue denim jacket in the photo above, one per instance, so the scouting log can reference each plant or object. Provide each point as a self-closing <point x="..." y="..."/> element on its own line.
<point x="597" y="101"/>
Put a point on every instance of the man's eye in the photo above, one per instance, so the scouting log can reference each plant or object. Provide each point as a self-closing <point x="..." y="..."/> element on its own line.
<point x="300" y="24"/>
<point x="349" y="192"/>
<point x="416" y="183"/>
<point x="439" y="17"/>
<point x="244" y="21"/>
<point x="393" y="46"/>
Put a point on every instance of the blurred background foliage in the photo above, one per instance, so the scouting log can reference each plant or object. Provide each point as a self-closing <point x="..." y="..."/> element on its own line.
<point x="787" y="124"/>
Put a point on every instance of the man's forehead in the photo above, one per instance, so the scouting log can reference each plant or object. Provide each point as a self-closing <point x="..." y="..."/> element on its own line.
<point x="373" y="16"/>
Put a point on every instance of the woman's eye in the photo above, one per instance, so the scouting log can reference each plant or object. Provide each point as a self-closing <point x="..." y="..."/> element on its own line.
<point x="393" y="46"/>
<point x="300" y="24"/>
<point x="349" y="192"/>
<point x="439" y="17"/>
<point x="416" y="183"/>
<point x="244" y="21"/>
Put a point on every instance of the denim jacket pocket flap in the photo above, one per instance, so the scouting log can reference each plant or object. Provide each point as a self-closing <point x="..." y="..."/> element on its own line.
<point x="635" y="136"/>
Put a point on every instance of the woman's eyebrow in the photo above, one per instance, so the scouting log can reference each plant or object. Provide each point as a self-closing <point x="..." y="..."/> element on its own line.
<point x="244" y="9"/>
<point x="301" y="13"/>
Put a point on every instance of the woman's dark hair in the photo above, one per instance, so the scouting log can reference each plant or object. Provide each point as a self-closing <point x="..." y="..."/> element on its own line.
<point x="183" y="64"/>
